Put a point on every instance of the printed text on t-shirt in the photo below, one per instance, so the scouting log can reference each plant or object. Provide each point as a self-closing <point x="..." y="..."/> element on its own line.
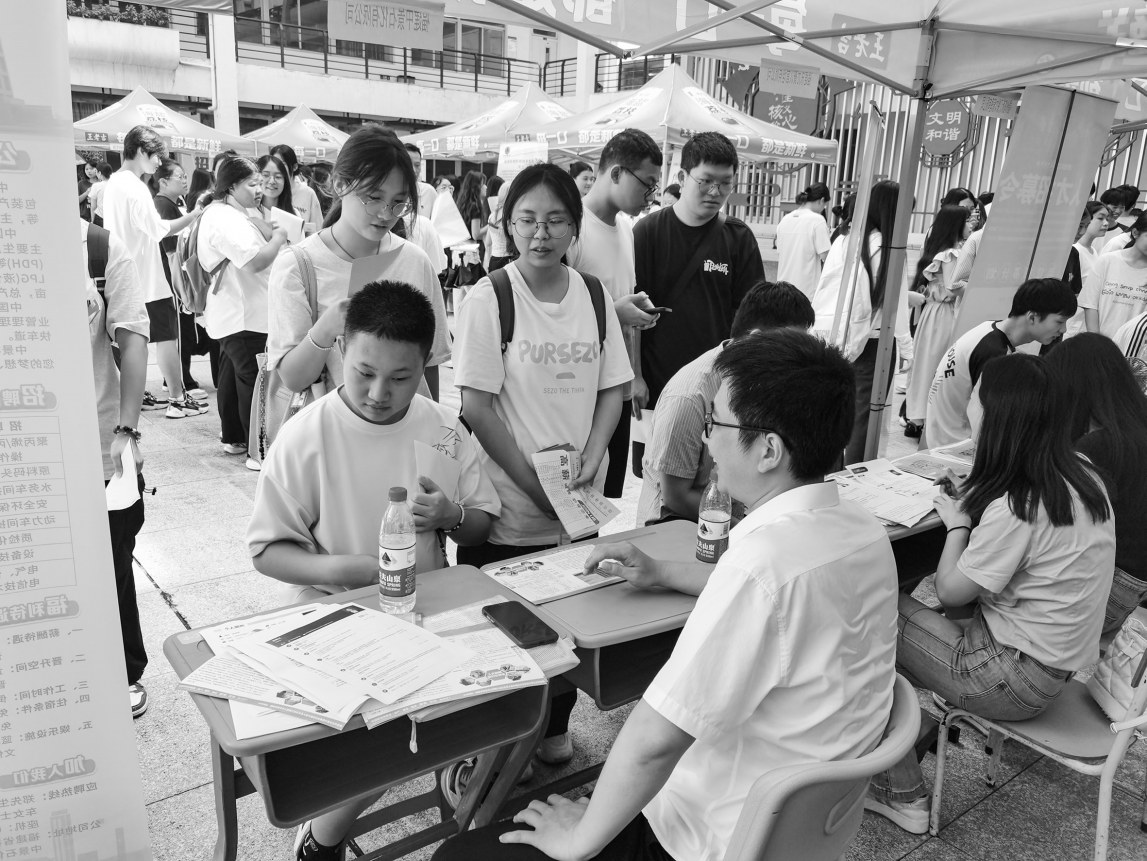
<point x="565" y="353"/>
<point x="710" y="266"/>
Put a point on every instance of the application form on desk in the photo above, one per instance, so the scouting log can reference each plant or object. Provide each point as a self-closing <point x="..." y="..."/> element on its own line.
<point x="552" y="576"/>
<point x="893" y="495"/>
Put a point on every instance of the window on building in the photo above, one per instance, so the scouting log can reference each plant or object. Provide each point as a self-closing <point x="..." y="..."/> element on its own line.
<point x="461" y="41"/>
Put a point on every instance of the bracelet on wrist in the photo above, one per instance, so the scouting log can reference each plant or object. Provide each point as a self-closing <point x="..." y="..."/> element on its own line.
<point x="954" y="528"/>
<point x="461" y="519"/>
<point x="317" y="345"/>
<point x="126" y="431"/>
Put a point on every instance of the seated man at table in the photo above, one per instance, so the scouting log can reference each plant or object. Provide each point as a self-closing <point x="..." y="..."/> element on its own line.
<point x="325" y="482"/>
<point x="789" y="654"/>
<point x="1040" y="310"/>
<point x="675" y="469"/>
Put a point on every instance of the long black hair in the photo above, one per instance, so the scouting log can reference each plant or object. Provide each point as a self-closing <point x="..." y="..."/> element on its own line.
<point x="881" y="218"/>
<point x="1103" y="393"/>
<point x="947" y="232"/>
<point x="1024" y="446"/>
<point x="364" y="162"/>
<point x="284" y="201"/>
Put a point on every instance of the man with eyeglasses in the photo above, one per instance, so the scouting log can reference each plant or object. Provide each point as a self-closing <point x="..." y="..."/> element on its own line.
<point x="627" y="178"/>
<point x="691" y="258"/>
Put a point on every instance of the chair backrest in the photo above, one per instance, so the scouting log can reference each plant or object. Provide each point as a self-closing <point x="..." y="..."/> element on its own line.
<point x="812" y="811"/>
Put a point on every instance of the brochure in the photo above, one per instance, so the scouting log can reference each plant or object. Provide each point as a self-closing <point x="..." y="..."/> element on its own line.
<point x="583" y="511"/>
<point x="893" y="495"/>
<point x="965" y="452"/>
<point x="930" y="466"/>
<point x="551" y="576"/>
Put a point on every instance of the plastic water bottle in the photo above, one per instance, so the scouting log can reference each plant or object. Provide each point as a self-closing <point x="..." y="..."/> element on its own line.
<point x="713" y="523"/>
<point x="396" y="556"/>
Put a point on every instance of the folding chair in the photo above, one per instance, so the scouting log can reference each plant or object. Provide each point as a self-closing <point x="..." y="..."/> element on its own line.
<point x="812" y="811"/>
<point x="1073" y="731"/>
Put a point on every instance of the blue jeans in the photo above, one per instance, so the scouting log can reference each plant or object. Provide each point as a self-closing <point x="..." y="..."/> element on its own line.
<point x="1126" y="594"/>
<point x="963" y="663"/>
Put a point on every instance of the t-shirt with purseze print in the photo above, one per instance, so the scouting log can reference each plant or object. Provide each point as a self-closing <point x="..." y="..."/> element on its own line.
<point x="703" y="309"/>
<point x="954" y="399"/>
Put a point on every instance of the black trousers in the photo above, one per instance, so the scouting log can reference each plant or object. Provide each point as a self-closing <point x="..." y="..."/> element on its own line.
<point x="238" y="371"/>
<point x="618" y="454"/>
<point x="865" y="367"/>
<point x="561" y="705"/>
<point x="125" y="526"/>
<point x="194" y="341"/>
<point x="636" y="842"/>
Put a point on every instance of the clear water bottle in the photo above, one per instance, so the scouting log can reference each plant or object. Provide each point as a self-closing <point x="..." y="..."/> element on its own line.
<point x="396" y="556"/>
<point x="713" y="522"/>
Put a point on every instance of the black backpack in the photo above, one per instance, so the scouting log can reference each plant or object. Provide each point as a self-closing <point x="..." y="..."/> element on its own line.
<point x="98" y="242"/>
<point x="504" y="293"/>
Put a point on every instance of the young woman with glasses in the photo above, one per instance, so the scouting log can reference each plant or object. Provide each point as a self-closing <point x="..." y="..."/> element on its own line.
<point x="374" y="186"/>
<point x="552" y="384"/>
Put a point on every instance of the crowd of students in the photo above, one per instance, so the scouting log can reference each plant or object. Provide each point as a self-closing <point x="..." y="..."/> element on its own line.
<point x="791" y="651"/>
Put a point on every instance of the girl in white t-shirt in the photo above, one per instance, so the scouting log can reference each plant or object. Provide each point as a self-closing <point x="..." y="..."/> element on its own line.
<point x="935" y="279"/>
<point x="554" y="383"/>
<point x="375" y="186"/>
<point x="1116" y="290"/>
<point x="236" y="312"/>
<point x="803" y="240"/>
<point x="1084" y="252"/>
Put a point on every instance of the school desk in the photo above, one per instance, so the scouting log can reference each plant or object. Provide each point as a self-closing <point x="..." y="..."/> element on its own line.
<point x="303" y="772"/>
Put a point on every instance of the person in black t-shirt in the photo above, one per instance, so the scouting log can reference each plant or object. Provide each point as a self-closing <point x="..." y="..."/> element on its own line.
<point x="693" y="260"/>
<point x="1109" y="426"/>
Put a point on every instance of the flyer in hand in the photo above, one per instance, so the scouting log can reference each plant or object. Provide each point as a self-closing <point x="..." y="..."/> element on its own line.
<point x="583" y="511"/>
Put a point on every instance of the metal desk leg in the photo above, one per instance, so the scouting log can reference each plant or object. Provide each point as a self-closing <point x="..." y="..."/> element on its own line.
<point x="223" y="770"/>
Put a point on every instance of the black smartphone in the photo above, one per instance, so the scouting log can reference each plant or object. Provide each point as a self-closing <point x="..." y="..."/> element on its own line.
<point x="519" y="624"/>
<point x="658" y="310"/>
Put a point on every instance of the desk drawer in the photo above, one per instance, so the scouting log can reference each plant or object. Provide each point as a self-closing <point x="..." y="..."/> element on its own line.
<point x="616" y="675"/>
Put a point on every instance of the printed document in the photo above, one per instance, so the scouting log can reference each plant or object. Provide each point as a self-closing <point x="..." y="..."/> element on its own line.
<point x="552" y="575"/>
<point x="891" y="494"/>
<point x="583" y="511"/>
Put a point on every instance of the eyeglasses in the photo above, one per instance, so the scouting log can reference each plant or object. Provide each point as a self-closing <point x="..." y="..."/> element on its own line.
<point x="711" y="423"/>
<point x="527" y="228"/>
<point x="650" y="187"/>
<point x="271" y="177"/>
<point x="395" y="210"/>
<point x="708" y="186"/>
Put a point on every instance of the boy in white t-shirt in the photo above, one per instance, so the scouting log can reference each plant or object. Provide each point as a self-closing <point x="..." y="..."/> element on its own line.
<point x="323" y="488"/>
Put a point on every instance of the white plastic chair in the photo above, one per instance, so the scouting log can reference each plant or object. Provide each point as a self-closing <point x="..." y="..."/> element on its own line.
<point x="812" y="811"/>
<point x="1073" y="731"/>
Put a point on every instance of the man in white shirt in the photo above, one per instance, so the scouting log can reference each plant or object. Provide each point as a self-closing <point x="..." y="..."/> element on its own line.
<point x="789" y="654"/>
<point x="426" y="193"/>
<point x="130" y="214"/>
<point x="628" y="173"/>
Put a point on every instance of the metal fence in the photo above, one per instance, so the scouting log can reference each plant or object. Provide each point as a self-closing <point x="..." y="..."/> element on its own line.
<point x="559" y="77"/>
<point x="311" y="49"/>
<point x="612" y="74"/>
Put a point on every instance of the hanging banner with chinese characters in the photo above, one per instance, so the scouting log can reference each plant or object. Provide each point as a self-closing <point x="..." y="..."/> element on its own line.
<point x="946" y="126"/>
<point x="69" y="776"/>
<point x="788" y="112"/>
<point x="1044" y="183"/>
<point x="513" y="158"/>
<point x="1003" y="106"/>
<point x="401" y="23"/>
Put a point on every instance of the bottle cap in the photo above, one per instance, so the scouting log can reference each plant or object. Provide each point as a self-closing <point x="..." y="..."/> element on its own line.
<point x="398" y="494"/>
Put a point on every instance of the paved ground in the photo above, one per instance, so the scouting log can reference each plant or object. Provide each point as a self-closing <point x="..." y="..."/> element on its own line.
<point x="193" y="569"/>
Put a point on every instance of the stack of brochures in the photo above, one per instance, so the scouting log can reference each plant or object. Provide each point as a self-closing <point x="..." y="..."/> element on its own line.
<point x="936" y="464"/>
<point x="894" y="495"/>
<point x="326" y="663"/>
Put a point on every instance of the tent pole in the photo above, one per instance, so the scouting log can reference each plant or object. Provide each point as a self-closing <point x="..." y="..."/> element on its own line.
<point x="702" y="27"/>
<point x="909" y="167"/>
<point x="555" y="24"/>
<point x="666" y="159"/>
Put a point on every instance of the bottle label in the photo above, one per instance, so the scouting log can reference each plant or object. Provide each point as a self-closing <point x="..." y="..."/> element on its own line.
<point x="396" y="571"/>
<point x="712" y="535"/>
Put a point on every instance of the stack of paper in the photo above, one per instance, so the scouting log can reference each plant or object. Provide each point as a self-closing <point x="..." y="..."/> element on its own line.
<point x="964" y="452"/>
<point x="552" y="576"/>
<point x="931" y="466"/>
<point x="895" y="496"/>
<point x="583" y="511"/>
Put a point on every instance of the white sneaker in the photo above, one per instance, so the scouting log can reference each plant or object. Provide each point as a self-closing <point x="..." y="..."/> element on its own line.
<point x="137" y="695"/>
<point x="185" y="407"/>
<point x="911" y="816"/>
<point x="254" y="465"/>
<point x="234" y="447"/>
<point x="195" y="394"/>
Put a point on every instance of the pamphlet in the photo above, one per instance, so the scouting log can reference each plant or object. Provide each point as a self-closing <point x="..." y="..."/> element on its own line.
<point x="289" y="222"/>
<point x="965" y="452"/>
<point x="893" y="495"/>
<point x="553" y="575"/>
<point x="583" y="511"/>
<point x="123" y="490"/>
<point x="930" y="466"/>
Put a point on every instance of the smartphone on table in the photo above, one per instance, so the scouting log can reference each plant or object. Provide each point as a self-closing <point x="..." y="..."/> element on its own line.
<point x="518" y="623"/>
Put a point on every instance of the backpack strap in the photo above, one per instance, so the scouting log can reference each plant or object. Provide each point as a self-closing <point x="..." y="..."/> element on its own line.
<point x="98" y="240"/>
<point x="504" y="293"/>
<point x="597" y="297"/>
<point x="310" y="280"/>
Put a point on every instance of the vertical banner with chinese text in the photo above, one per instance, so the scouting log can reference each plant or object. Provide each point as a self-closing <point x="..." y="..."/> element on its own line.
<point x="1044" y="183"/>
<point x="69" y="777"/>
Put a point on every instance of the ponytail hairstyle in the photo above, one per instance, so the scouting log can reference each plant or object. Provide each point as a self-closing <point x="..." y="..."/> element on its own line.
<point x="947" y="232"/>
<point x="1024" y="446"/>
<point x="233" y="170"/>
<point x="364" y="162"/>
<point x="881" y="218"/>
<point x="816" y="191"/>
<point x="1138" y="227"/>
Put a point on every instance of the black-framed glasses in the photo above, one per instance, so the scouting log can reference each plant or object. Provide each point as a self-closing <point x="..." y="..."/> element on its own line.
<point x="711" y="423"/>
<point x="708" y="186"/>
<point x="395" y="210"/>
<point x="650" y="187"/>
<point x="527" y="228"/>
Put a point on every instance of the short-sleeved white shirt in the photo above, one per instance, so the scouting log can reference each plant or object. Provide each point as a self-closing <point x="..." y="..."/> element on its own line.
<point x="1045" y="587"/>
<point x="324" y="483"/>
<point x="1132" y="337"/>
<point x="953" y="400"/>
<point x="802" y="236"/>
<point x="289" y="313"/>
<point x="545" y="386"/>
<point x="788" y="657"/>
<point x="1116" y="290"/>
<point x="240" y="304"/>
<point x="129" y="213"/>
<point x="306" y="203"/>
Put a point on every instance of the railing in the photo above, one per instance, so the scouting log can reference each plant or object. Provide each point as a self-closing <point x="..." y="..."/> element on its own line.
<point x="311" y="49"/>
<point x="559" y="77"/>
<point x="612" y="74"/>
<point x="191" y="26"/>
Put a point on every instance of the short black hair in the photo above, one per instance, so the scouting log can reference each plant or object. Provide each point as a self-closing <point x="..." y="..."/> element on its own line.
<point x="557" y="181"/>
<point x="105" y="169"/>
<point x="674" y="189"/>
<point x="142" y="138"/>
<point x="711" y="147"/>
<point x="579" y="167"/>
<point x="1043" y="296"/>
<point x="234" y="170"/>
<point x="393" y="311"/>
<point x="219" y="156"/>
<point x="413" y="148"/>
<point x="772" y="306"/>
<point x="798" y="386"/>
<point x="629" y="148"/>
